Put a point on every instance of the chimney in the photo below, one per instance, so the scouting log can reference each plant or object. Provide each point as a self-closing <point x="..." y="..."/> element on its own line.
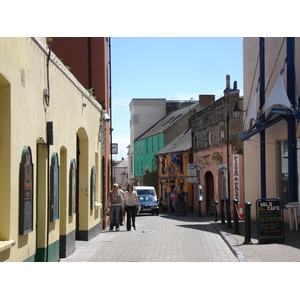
<point x="227" y="81"/>
<point x="235" y="85"/>
<point x="206" y="99"/>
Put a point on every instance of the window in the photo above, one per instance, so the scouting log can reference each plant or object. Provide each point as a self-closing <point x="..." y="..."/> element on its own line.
<point x="209" y="138"/>
<point x="283" y="175"/>
<point x="283" y="171"/>
<point x="222" y="134"/>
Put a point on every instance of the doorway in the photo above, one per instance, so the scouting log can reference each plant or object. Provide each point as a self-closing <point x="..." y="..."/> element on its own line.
<point x="209" y="188"/>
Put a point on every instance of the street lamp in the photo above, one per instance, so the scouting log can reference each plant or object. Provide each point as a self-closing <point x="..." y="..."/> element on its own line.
<point x="236" y="111"/>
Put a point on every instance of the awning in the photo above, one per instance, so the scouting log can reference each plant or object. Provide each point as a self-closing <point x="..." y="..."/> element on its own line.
<point x="276" y="107"/>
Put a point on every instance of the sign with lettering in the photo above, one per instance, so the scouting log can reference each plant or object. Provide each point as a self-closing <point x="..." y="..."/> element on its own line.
<point x="270" y="223"/>
<point x="192" y="169"/>
<point x="236" y="177"/>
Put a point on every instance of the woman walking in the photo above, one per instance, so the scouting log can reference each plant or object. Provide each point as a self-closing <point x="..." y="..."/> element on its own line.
<point x="115" y="203"/>
<point x="131" y="200"/>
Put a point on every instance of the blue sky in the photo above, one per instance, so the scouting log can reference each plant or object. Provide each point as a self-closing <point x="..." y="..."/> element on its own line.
<point x="175" y="68"/>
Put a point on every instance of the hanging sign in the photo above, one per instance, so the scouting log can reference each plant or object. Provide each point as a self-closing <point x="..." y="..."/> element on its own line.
<point x="270" y="223"/>
<point x="192" y="169"/>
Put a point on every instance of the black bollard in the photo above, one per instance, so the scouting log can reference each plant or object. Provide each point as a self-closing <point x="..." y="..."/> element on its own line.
<point x="247" y="223"/>
<point x="222" y="211"/>
<point x="216" y="211"/>
<point x="228" y="214"/>
<point x="235" y="217"/>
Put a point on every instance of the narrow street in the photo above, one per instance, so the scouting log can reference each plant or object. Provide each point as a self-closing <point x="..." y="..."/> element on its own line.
<point x="164" y="238"/>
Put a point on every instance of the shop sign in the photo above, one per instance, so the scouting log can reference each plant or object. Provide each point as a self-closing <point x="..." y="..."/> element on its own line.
<point x="192" y="171"/>
<point x="193" y="180"/>
<point x="270" y="223"/>
<point x="236" y="177"/>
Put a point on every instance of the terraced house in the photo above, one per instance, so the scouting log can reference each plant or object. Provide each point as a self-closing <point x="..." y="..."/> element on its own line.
<point x="50" y="155"/>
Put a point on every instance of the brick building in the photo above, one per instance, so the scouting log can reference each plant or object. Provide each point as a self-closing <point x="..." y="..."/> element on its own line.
<point x="217" y="149"/>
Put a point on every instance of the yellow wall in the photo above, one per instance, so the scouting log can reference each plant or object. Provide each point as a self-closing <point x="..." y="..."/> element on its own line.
<point x="23" y="112"/>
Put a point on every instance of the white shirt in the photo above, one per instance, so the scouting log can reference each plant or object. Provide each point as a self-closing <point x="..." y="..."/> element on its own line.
<point x="131" y="198"/>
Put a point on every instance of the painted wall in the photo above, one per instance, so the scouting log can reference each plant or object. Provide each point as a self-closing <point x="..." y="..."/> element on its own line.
<point x="145" y="154"/>
<point x="275" y="55"/>
<point x="24" y="114"/>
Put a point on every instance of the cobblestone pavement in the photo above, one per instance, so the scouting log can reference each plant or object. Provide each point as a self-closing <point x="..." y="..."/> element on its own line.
<point x="164" y="238"/>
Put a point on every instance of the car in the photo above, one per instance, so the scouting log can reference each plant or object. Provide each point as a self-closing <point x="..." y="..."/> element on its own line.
<point x="148" y="204"/>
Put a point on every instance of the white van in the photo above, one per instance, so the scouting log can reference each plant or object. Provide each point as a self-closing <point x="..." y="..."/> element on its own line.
<point x="146" y="190"/>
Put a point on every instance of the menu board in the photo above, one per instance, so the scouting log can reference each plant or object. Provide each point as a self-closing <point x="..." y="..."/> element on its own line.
<point x="270" y="224"/>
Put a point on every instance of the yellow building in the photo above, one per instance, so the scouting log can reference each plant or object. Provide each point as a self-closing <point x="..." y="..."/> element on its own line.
<point x="50" y="155"/>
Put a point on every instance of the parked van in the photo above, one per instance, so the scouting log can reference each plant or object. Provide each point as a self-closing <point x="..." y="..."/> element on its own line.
<point x="146" y="190"/>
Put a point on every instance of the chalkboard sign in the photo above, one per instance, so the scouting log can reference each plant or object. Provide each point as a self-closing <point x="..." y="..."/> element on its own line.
<point x="270" y="224"/>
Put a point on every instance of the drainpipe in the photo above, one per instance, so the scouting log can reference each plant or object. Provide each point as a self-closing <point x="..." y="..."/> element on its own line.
<point x="262" y="132"/>
<point x="291" y="122"/>
<point x="110" y="109"/>
<point x="89" y="63"/>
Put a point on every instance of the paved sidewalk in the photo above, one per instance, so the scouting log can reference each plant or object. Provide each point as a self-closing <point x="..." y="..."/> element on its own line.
<point x="168" y="238"/>
<point x="289" y="251"/>
<point x="164" y="238"/>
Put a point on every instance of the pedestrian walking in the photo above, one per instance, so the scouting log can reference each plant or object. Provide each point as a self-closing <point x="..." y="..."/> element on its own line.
<point x="122" y="211"/>
<point x="173" y="199"/>
<point x="115" y="204"/>
<point x="131" y="201"/>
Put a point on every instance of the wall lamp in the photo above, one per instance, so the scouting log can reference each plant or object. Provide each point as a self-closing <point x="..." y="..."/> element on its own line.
<point x="236" y="112"/>
<point x="105" y="116"/>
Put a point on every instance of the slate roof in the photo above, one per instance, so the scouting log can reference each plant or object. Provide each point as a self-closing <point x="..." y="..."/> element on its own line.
<point x="167" y="121"/>
<point x="181" y="144"/>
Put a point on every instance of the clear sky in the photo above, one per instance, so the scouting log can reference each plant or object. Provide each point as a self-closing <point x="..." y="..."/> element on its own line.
<point x="175" y="68"/>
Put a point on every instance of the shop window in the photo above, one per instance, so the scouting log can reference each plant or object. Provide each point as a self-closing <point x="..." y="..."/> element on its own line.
<point x="283" y="170"/>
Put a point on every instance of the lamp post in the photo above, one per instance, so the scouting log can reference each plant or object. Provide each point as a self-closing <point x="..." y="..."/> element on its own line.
<point x="236" y="112"/>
